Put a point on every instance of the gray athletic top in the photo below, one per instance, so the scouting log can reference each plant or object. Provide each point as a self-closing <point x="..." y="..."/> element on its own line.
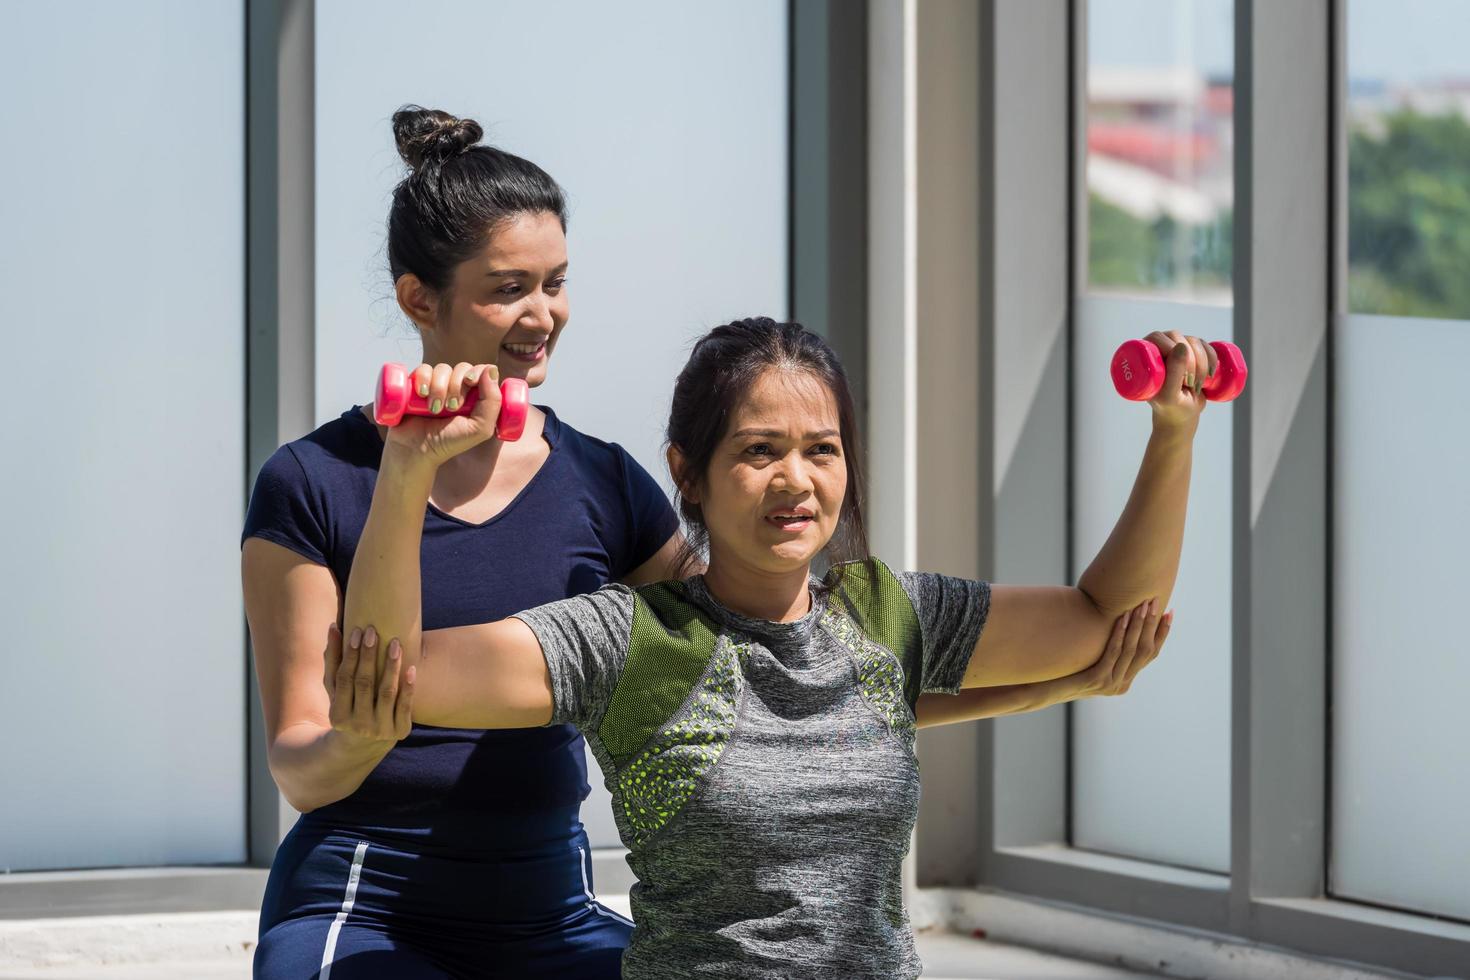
<point x="768" y="818"/>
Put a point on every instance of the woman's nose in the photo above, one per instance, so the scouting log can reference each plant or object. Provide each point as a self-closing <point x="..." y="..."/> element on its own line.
<point x="538" y="313"/>
<point x="792" y="475"/>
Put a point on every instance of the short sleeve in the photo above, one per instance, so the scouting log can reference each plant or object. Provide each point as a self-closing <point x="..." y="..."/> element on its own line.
<point x="951" y="613"/>
<point x="651" y="518"/>
<point x="282" y="509"/>
<point x="585" y="642"/>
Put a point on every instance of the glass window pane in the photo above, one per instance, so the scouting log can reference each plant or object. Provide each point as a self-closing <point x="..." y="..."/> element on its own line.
<point x="122" y="706"/>
<point x="1400" y="670"/>
<point x="1135" y="793"/>
<point x="676" y="176"/>
<point x="1401" y="471"/>
<point x="1160" y="130"/>
<point x="1159" y="176"/>
<point x="1408" y="117"/>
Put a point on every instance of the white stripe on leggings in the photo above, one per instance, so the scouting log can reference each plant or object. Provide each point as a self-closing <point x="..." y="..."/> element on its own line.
<point x="330" y="952"/>
<point x="592" y="902"/>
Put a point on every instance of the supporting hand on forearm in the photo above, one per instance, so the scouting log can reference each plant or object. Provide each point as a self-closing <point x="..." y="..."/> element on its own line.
<point x="370" y="706"/>
<point x="1136" y="639"/>
<point x="369" y="713"/>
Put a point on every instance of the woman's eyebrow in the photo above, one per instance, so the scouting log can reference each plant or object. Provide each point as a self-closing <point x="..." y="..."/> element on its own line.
<point x="776" y="433"/>
<point x="520" y="273"/>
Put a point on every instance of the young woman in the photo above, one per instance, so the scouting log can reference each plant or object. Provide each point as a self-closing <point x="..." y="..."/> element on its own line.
<point x="756" y="724"/>
<point x="434" y="852"/>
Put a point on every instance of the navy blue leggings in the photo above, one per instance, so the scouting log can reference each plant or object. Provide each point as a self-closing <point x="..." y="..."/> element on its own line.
<point x="340" y="907"/>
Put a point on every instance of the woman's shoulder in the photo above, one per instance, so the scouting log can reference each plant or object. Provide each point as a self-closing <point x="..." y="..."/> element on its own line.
<point x="333" y="462"/>
<point x="606" y="469"/>
<point x="346" y="443"/>
<point x="312" y="487"/>
<point x="347" y="440"/>
<point x="583" y="449"/>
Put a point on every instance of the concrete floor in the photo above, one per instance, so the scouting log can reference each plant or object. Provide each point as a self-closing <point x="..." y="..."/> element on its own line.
<point x="946" y="957"/>
<point x="218" y="946"/>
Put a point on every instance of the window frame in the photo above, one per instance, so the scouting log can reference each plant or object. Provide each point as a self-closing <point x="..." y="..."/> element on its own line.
<point x="1290" y="271"/>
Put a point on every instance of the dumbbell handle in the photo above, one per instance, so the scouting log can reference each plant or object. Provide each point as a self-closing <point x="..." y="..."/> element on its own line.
<point x="1138" y="371"/>
<point x="396" y="398"/>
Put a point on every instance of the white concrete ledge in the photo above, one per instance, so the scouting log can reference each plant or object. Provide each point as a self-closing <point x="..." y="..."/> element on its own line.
<point x="1101" y="938"/>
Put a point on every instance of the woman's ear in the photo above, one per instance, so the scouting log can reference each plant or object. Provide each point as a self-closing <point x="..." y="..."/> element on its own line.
<point x="676" y="470"/>
<point x="416" y="300"/>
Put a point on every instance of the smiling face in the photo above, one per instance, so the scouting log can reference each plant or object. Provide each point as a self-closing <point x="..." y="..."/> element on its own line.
<point x="774" y="489"/>
<point x="506" y="305"/>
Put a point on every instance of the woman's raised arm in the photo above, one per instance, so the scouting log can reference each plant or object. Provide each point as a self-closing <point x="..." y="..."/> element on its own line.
<point x="490" y="676"/>
<point x="1041" y="633"/>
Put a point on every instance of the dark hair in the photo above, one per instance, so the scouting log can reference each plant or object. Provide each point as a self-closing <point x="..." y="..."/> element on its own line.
<point x="456" y="193"/>
<point x="723" y="365"/>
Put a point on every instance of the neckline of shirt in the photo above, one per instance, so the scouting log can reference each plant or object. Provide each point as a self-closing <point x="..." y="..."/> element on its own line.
<point x="766" y="629"/>
<point x="551" y="431"/>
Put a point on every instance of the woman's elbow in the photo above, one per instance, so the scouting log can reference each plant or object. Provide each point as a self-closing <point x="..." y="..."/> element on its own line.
<point x="1104" y="604"/>
<point x="303" y="804"/>
<point x="300" y="789"/>
<point x="301" y="800"/>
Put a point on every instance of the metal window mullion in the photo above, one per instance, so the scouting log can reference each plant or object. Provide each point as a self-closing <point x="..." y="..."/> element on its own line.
<point x="280" y="301"/>
<point x="1282" y="254"/>
<point x="1337" y="278"/>
<point x="954" y="385"/>
<point x="1078" y="227"/>
<point x="829" y="181"/>
<point x="1026" y="275"/>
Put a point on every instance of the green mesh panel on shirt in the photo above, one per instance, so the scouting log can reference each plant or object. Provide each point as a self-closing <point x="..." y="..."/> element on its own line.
<point x="654" y="786"/>
<point x="880" y="678"/>
<point x="669" y="649"/>
<point x="870" y="593"/>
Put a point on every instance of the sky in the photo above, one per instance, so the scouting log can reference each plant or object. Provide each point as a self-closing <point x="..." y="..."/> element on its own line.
<point x="1390" y="40"/>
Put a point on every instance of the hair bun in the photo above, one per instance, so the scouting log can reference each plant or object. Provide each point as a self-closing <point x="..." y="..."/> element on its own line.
<point x="431" y="136"/>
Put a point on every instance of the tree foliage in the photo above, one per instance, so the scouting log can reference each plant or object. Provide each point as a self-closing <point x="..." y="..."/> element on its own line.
<point x="1409" y="216"/>
<point x="1130" y="253"/>
<point x="1408" y="226"/>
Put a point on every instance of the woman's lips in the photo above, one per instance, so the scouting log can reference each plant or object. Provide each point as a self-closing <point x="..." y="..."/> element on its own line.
<point x="791" y="524"/>
<point x="526" y="353"/>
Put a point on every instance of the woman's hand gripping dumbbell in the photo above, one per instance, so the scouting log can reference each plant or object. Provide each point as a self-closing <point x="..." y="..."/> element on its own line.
<point x="1138" y="368"/>
<point x="464" y="397"/>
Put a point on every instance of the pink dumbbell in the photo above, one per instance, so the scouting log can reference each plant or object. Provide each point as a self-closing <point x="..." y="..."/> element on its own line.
<point x="1138" y="371"/>
<point x="396" y="398"/>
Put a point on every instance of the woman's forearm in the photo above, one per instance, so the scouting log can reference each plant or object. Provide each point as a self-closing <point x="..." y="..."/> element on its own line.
<point x="383" y="590"/>
<point x="1141" y="557"/>
<point x="993" y="702"/>
<point x="315" y="765"/>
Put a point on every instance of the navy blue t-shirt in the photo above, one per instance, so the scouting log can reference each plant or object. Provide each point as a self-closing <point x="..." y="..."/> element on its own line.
<point x="589" y="516"/>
